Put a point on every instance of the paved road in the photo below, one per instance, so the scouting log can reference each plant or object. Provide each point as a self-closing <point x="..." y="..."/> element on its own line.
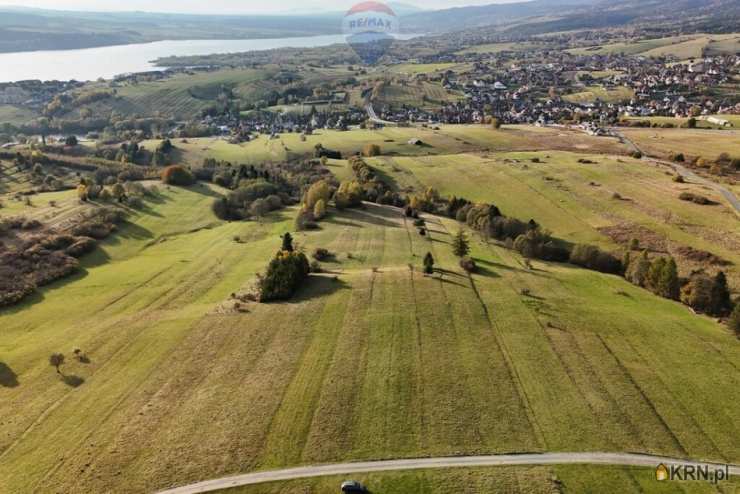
<point x="687" y="173"/>
<point x="348" y="469"/>
<point x="374" y="117"/>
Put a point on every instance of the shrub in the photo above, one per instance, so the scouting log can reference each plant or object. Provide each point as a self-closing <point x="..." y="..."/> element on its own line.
<point x="591" y="257"/>
<point x="319" y="210"/>
<point x="135" y="202"/>
<point x="251" y="192"/>
<point x="697" y="293"/>
<point x="734" y="321"/>
<point x="321" y="254"/>
<point x="695" y="198"/>
<point x="56" y="360"/>
<point x="177" y="175"/>
<point x="349" y="194"/>
<point x="82" y="246"/>
<point x="468" y="264"/>
<point x="321" y="151"/>
<point x="370" y="150"/>
<point x="305" y="221"/>
<point x="30" y="225"/>
<point x="537" y="244"/>
<point x="259" y="208"/>
<point x="284" y="275"/>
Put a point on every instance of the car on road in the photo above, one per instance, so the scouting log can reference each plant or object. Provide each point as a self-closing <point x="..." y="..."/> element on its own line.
<point x="353" y="487"/>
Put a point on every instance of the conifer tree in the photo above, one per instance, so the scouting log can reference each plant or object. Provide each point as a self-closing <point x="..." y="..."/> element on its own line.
<point x="460" y="244"/>
<point x="721" y="302"/>
<point x="734" y="321"/>
<point x="287" y="242"/>
<point x="669" y="284"/>
<point x="428" y="263"/>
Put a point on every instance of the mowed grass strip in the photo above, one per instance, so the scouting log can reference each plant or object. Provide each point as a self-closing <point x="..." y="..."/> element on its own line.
<point x="381" y="363"/>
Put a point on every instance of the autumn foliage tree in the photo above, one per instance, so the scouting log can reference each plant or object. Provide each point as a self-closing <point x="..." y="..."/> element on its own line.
<point x="370" y="150"/>
<point x="319" y="210"/>
<point x="349" y="195"/>
<point x="319" y="191"/>
<point x="177" y="175"/>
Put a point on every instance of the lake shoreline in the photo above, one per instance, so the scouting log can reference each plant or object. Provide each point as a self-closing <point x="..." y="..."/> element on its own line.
<point x="147" y="41"/>
<point x="107" y="62"/>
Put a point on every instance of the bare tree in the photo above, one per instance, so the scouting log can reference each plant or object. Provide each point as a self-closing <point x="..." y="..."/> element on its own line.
<point x="56" y="360"/>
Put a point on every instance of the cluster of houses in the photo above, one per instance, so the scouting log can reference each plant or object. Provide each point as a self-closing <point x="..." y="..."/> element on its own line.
<point x="534" y="88"/>
<point x="33" y="94"/>
<point x="541" y="85"/>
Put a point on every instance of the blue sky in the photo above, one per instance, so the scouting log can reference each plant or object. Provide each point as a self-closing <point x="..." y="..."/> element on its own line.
<point x="224" y="6"/>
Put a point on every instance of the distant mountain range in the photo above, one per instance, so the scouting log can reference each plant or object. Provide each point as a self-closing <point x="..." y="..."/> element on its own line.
<point x="24" y="29"/>
<point x="540" y="16"/>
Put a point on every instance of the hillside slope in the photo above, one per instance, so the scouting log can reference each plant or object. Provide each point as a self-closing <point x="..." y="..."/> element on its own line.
<point x="381" y="362"/>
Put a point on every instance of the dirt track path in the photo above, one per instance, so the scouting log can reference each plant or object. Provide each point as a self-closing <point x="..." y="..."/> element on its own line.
<point x="687" y="173"/>
<point x="628" y="459"/>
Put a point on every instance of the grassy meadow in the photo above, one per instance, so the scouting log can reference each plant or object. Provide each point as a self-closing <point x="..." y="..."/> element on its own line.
<point x="701" y="124"/>
<point x="681" y="47"/>
<point x="691" y="142"/>
<point x="370" y="360"/>
<point x="607" y="95"/>
<point x="577" y="202"/>
<point x="394" y="141"/>
<point x="182" y="95"/>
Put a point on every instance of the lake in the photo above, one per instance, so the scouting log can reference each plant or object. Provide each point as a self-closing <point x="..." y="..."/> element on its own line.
<point x="91" y="63"/>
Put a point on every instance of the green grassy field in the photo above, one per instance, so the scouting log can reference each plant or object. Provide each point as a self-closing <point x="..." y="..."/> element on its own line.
<point x="681" y="47"/>
<point x="702" y="124"/>
<point x="420" y="68"/>
<point x="449" y="139"/>
<point x="423" y="94"/>
<point x="380" y="363"/>
<point x="593" y="93"/>
<point x="15" y="115"/>
<point x="11" y="180"/>
<point x="493" y="48"/>
<point x="184" y="95"/>
<point x="575" y="200"/>
<point x="691" y="142"/>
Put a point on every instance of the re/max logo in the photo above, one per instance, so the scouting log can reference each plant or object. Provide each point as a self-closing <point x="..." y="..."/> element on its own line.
<point x="375" y="22"/>
<point x="704" y="473"/>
